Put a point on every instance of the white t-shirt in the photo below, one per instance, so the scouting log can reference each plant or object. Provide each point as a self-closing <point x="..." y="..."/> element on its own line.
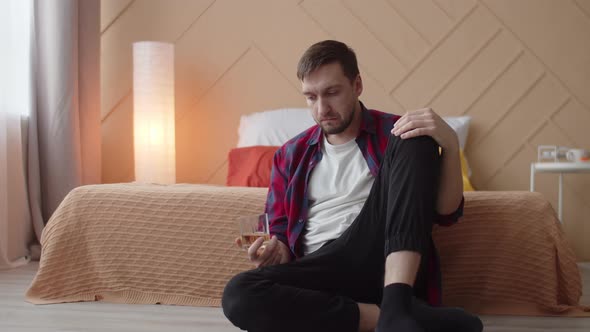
<point x="337" y="189"/>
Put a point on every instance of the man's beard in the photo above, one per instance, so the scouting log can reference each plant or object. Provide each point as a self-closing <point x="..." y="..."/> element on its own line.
<point x="342" y="127"/>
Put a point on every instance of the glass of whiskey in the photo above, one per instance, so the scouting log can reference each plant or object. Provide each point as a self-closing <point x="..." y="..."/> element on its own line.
<point x="253" y="227"/>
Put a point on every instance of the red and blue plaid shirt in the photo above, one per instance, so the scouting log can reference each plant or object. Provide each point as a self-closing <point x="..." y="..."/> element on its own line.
<point x="287" y="202"/>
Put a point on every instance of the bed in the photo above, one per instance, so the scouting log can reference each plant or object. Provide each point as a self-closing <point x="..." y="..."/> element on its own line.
<point x="173" y="244"/>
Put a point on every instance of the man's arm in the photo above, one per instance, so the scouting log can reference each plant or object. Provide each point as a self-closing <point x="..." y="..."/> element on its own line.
<point x="450" y="191"/>
<point x="427" y="122"/>
<point x="274" y="206"/>
<point x="276" y="251"/>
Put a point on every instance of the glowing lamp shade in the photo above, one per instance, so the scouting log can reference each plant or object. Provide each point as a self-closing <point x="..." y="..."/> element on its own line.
<point x="153" y="112"/>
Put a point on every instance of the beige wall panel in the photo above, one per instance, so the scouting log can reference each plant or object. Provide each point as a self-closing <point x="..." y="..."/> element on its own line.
<point x="498" y="99"/>
<point x="521" y="69"/>
<point x="425" y="16"/>
<point x="584" y="6"/>
<point x="117" y="144"/>
<point x="159" y="20"/>
<point x="432" y="74"/>
<point x="373" y="56"/>
<point x="110" y="10"/>
<point x="284" y="33"/>
<point x="509" y="176"/>
<point x="574" y="121"/>
<point x="477" y="76"/>
<point x="375" y="97"/>
<point x="219" y="176"/>
<point x="557" y="43"/>
<point x="404" y="42"/>
<point x="211" y="128"/>
<point x="193" y="81"/>
<point x="510" y="133"/>
<point x="207" y="51"/>
<point x="455" y="9"/>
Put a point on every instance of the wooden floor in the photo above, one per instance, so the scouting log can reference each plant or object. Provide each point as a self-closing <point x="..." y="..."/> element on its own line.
<point x="16" y="315"/>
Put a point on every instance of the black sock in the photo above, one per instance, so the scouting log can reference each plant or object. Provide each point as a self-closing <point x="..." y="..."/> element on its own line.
<point x="396" y="310"/>
<point x="445" y="319"/>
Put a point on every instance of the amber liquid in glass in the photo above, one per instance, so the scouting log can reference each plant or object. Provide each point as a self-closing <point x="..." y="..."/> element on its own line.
<point x="249" y="238"/>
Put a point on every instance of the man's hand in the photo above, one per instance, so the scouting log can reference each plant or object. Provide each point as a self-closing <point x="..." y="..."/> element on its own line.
<point x="426" y="122"/>
<point x="274" y="252"/>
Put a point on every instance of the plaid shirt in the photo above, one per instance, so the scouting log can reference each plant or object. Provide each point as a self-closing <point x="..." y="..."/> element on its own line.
<point x="287" y="202"/>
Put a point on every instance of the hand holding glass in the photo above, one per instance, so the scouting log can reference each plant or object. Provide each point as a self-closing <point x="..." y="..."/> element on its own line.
<point x="253" y="227"/>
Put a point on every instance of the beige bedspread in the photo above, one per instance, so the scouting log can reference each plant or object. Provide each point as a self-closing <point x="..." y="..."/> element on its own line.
<point x="132" y="243"/>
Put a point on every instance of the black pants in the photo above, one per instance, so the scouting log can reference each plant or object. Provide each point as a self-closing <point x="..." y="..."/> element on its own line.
<point x="320" y="291"/>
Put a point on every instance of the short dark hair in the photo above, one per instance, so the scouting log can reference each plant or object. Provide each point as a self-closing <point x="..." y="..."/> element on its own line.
<point x="326" y="52"/>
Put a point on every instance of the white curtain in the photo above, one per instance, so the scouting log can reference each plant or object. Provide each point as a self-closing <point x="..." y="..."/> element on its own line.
<point x="16" y="229"/>
<point x="49" y="115"/>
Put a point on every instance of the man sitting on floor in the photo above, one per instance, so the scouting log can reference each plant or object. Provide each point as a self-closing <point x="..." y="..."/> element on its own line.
<point x="352" y="202"/>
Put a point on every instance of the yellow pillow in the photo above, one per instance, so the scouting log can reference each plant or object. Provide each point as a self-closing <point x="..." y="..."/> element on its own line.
<point x="465" y="171"/>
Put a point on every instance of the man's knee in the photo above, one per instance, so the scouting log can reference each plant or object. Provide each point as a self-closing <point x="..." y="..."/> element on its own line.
<point x="414" y="145"/>
<point x="414" y="155"/>
<point x="235" y="298"/>
<point x="239" y="296"/>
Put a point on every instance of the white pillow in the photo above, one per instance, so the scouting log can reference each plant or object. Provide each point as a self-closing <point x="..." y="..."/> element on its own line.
<point x="276" y="127"/>
<point x="460" y="125"/>
<point x="273" y="127"/>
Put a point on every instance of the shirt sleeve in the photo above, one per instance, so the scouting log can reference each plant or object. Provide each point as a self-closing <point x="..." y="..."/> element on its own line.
<point x="452" y="218"/>
<point x="277" y="215"/>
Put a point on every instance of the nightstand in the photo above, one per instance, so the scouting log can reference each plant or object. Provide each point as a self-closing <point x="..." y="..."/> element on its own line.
<point x="561" y="168"/>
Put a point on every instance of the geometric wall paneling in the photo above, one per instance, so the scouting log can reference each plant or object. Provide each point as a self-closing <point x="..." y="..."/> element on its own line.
<point x="477" y="76"/>
<point x="418" y="12"/>
<point x="142" y="20"/>
<point x="576" y="130"/>
<point x="455" y="8"/>
<point x="520" y="69"/>
<point x="553" y="32"/>
<point x="507" y="89"/>
<point x="341" y="24"/>
<point x="211" y="129"/>
<point x="117" y="143"/>
<point x="584" y="6"/>
<point x="390" y="28"/>
<point x="512" y="130"/>
<point x="444" y="62"/>
<point x="283" y="33"/>
<point x="110" y="10"/>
